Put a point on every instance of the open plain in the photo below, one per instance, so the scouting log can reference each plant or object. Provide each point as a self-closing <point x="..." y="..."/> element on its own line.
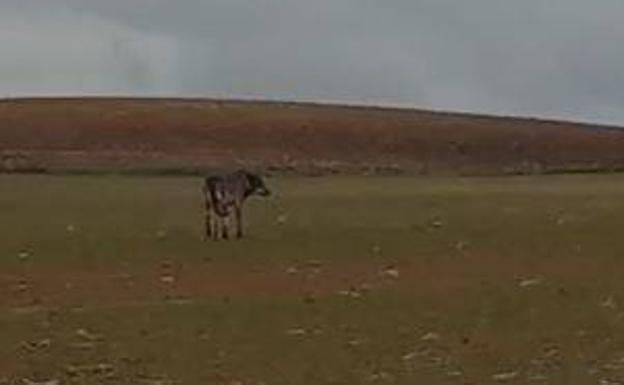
<point x="341" y="280"/>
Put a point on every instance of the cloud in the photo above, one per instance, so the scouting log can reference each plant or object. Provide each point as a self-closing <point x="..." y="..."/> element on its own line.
<point x="557" y="58"/>
<point x="61" y="52"/>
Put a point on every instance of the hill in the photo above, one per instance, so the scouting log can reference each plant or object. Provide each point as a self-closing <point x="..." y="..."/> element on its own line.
<point x="195" y="135"/>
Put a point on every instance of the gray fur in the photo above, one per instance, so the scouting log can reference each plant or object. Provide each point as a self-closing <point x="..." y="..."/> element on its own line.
<point x="224" y="196"/>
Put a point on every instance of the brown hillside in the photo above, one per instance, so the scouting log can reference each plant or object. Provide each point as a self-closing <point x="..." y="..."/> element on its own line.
<point x="183" y="135"/>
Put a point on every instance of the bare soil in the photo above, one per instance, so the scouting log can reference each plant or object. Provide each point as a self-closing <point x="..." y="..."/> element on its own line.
<point x="194" y="135"/>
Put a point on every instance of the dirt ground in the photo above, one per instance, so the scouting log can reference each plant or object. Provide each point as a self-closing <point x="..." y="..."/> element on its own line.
<point x="177" y="136"/>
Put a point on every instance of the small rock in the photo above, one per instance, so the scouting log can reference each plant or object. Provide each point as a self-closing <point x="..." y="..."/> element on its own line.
<point x="609" y="302"/>
<point x="87" y="335"/>
<point x="528" y="282"/>
<point x="436" y="223"/>
<point x="23" y="255"/>
<point x="27" y="381"/>
<point x="292" y="270"/>
<point x="615" y="365"/>
<point x="204" y="335"/>
<point x="355" y="342"/>
<point x="102" y="368"/>
<point x="33" y="346"/>
<point x="168" y="279"/>
<point x="606" y="381"/>
<point x="505" y="376"/>
<point x="537" y="377"/>
<point x="296" y="332"/>
<point x="391" y="272"/>
<point x="83" y="345"/>
<point x="431" y="336"/>
<point x="282" y="219"/>
<point x="70" y="228"/>
<point x="312" y="263"/>
<point x="461" y="246"/>
<point x="353" y="293"/>
<point x="551" y="351"/>
<point x="96" y="369"/>
<point x="379" y="376"/>
<point x="21" y="285"/>
<point x="314" y="267"/>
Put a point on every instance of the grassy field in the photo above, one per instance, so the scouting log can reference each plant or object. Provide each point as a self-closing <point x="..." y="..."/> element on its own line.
<point x="340" y="281"/>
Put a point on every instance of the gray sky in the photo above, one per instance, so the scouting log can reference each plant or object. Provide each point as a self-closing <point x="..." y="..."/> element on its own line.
<point x="546" y="58"/>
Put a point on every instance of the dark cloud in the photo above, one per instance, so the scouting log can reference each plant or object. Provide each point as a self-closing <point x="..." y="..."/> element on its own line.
<point x="556" y="58"/>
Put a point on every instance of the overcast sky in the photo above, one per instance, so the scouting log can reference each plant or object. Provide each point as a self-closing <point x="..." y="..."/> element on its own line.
<point x="546" y="58"/>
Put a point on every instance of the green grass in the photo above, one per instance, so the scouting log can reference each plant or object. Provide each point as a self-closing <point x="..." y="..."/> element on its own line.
<point x="519" y="277"/>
